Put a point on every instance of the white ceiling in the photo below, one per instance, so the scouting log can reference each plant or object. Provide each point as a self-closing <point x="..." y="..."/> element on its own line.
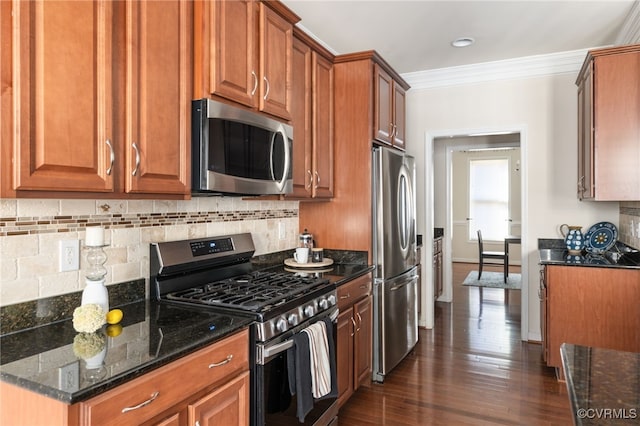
<point x="415" y="36"/>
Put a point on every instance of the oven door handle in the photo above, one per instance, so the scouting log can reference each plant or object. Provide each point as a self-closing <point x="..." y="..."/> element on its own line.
<point x="265" y="353"/>
<point x="276" y="349"/>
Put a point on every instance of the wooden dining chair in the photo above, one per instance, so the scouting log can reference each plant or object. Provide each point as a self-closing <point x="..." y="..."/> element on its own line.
<point x="482" y="254"/>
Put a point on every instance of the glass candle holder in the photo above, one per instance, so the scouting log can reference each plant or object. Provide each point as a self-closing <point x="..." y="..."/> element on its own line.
<point x="95" y="290"/>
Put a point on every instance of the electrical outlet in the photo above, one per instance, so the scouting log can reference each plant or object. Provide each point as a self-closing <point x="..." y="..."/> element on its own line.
<point x="281" y="231"/>
<point x="69" y="255"/>
<point x="69" y="377"/>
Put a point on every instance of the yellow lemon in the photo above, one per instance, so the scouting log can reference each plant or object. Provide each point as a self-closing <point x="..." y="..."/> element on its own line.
<point x="114" y="316"/>
<point x="114" y="330"/>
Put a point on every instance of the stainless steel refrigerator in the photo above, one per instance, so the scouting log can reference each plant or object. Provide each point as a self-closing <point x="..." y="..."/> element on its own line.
<point x="395" y="302"/>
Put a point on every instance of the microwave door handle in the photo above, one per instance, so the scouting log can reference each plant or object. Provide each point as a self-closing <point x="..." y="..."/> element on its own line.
<point x="287" y="157"/>
<point x="273" y="143"/>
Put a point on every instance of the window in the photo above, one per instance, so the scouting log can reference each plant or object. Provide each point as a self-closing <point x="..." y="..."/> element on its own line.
<point x="489" y="198"/>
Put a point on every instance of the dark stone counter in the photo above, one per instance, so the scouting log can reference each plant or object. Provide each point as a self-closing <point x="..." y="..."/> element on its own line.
<point x="42" y="357"/>
<point x="153" y="334"/>
<point x="553" y="252"/>
<point x="603" y="385"/>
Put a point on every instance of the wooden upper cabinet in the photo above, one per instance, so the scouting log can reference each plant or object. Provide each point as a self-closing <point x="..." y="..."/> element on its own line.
<point x="63" y="96"/>
<point x="158" y="96"/>
<point x="233" y="64"/>
<point x="322" y="127"/>
<point x="312" y="119"/>
<point x="383" y="111"/>
<point x="389" y="109"/>
<point x="275" y="63"/>
<point x="301" y="120"/>
<point x="100" y="110"/>
<point x="609" y="129"/>
<point x="243" y="53"/>
<point x="399" y="116"/>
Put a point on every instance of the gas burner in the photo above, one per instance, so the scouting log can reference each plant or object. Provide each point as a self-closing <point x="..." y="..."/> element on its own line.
<point x="255" y="292"/>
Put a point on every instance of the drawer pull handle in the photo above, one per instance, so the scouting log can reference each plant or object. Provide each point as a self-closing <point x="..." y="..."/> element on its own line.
<point x="142" y="404"/>
<point x="359" y="320"/>
<point x="227" y="360"/>
<point x="364" y="286"/>
<point x="345" y="297"/>
<point x="354" y="326"/>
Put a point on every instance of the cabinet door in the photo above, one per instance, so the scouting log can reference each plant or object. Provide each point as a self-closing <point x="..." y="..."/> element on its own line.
<point x="63" y="96"/>
<point x="590" y="306"/>
<point x="399" y="116"/>
<point x="344" y="355"/>
<point x="158" y="96"/>
<point x="362" y="348"/>
<point x="383" y="112"/>
<point x="232" y="64"/>
<point x="322" y="127"/>
<point x="275" y="63"/>
<point x="227" y="405"/>
<point x="617" y="127"/>
<point x="585" y="137"/>
<point x="301" y="119"/>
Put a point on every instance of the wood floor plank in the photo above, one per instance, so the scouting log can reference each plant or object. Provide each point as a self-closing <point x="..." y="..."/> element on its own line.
<point x="471" y="369"/>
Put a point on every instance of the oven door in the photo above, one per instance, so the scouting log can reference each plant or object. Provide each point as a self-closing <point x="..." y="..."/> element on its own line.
<point x="274" y="404"/>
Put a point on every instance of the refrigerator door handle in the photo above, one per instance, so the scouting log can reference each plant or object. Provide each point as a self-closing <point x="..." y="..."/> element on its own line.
<point x="404" y="283"/>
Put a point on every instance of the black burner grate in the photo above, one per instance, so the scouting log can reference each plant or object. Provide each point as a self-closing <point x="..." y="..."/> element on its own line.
<point x="258" y="291"/>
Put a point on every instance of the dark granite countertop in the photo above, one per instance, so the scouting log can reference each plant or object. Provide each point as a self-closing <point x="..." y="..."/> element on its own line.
<point x="153" y="334"/>
<point x="42" y="358"/>
<point x="603" y="385"/>
<point x="553" y="252"/>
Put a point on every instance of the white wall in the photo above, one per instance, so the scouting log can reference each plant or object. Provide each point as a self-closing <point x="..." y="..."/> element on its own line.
<point x="545" y="109"/>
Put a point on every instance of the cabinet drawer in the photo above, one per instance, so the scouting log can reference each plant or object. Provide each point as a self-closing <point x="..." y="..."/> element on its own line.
<point x="353" y="291"/>
<point x="168" y="385"/>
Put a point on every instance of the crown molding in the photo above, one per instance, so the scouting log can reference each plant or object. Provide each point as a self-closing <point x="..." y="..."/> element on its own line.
<point x="630" y="30"/>
<point x="517" y="68"/>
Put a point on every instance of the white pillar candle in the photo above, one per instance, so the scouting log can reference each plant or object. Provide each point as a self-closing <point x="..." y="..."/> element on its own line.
<point x="94" y="236"/>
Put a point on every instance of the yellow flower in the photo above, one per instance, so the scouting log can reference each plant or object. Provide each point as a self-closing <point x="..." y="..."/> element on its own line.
<point x="88" y="318"/>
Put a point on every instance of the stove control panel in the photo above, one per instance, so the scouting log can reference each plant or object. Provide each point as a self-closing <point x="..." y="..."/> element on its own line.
<point x="301" y="315"/>
<point x="220" y="245"/>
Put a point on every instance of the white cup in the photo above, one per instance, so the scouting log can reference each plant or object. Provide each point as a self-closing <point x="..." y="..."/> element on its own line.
<point x="301" y="255"/>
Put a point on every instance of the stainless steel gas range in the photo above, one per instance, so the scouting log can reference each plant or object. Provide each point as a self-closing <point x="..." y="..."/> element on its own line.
<point x="217" y="273"/>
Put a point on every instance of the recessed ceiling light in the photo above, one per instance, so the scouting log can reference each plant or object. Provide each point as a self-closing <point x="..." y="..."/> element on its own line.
<point x="463" y="42"/>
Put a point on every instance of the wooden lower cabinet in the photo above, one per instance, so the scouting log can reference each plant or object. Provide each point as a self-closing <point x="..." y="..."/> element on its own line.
<point x="228" y="405"/>
<point x="354" y="336"/>
<point x="589" y="306"/>
<point x="211" y="383"/>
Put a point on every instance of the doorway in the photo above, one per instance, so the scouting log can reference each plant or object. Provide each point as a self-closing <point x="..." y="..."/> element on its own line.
<point x="439" y="155"/>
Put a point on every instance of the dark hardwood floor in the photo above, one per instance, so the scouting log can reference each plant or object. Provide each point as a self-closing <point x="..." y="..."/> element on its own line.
<point x="471" y="369"/>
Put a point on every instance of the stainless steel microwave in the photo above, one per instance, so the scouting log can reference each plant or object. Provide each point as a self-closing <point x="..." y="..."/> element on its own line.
<point x="236" y="151"/>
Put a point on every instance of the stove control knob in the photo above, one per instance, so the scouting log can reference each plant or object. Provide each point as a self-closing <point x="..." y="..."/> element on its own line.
<point x="331" y="299"/>
<point x="309" y="311"/>
<point x="293" y="320"/>
<point x="323" y="303"/>
<point x="281" y="325"/>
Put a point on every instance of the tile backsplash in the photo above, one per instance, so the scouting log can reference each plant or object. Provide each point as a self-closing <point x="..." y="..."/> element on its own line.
<point x="31" y="232"/>
<point x="629" y="226"/>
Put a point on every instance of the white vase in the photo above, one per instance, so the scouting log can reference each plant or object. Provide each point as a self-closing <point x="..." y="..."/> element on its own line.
<point x="96" y="292"/>
<point x="97" y="360"/>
